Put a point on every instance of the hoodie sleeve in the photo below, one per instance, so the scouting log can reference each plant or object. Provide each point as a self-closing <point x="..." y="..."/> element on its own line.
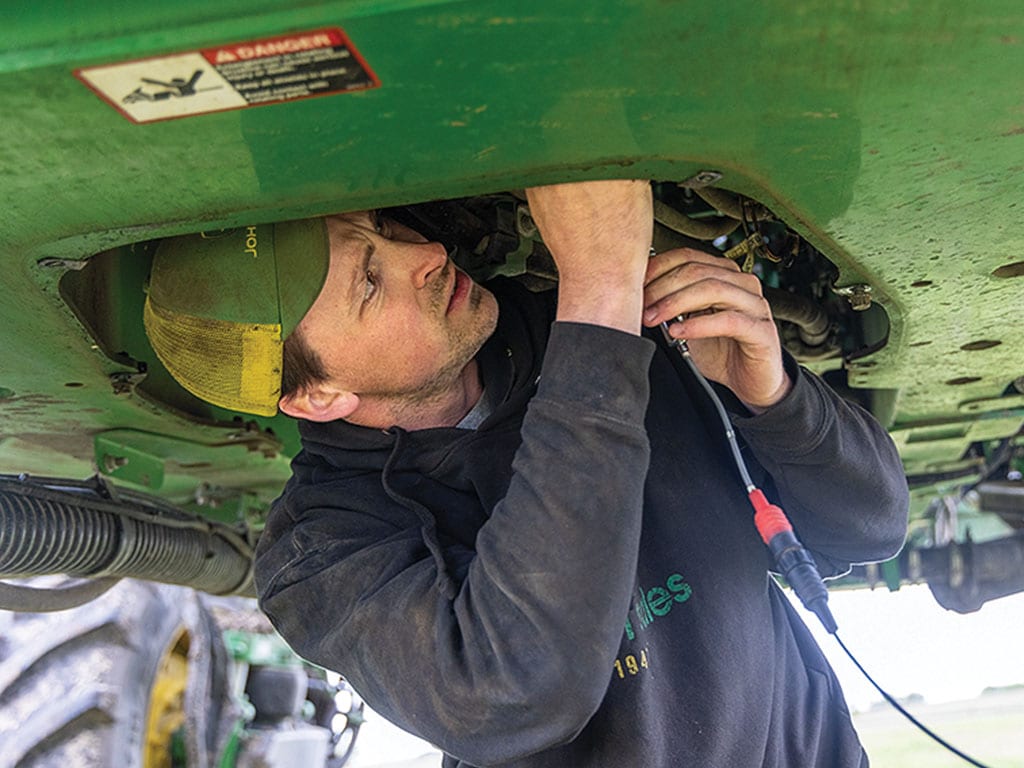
<point x="542" y="597"/>
<point x="836" y="471"/>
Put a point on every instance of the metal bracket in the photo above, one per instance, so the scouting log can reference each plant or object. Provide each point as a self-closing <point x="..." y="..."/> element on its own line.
<point x="124" y="382"/>
<point x="116" y="458"/>
<point x="859" y="295"/>
<point x="52" y="262"/>
<point x="701" y="179"/>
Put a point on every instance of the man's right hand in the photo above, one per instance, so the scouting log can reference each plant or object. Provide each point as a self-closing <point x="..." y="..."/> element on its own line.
<point x="599" y="233"/>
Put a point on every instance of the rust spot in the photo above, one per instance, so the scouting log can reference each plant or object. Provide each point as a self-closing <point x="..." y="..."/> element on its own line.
<point x="974" y="346"/>
<point x="1017" y="131"/>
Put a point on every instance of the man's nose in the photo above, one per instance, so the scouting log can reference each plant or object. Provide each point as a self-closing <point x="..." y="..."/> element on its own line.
<point x="425" y="260"/>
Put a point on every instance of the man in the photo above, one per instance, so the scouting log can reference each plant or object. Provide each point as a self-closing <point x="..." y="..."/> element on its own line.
<point x="516" y="526"/>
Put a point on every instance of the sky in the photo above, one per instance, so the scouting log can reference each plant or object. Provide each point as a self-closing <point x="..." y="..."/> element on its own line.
<point x="911" y="644"/>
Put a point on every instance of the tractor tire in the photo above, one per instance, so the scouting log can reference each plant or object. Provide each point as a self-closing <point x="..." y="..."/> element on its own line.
<point x="111" y="683"/>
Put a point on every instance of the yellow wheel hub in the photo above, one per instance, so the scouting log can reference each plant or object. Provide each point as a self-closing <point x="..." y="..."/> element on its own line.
<point x="166" y="703"/>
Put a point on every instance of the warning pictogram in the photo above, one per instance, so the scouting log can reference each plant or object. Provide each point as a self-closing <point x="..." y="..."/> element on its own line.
<point x="267" y="71"/>
<point x="157" y="89"/>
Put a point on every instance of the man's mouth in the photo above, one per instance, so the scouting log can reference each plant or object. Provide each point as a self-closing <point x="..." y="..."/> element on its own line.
<point x="460" y="288"/>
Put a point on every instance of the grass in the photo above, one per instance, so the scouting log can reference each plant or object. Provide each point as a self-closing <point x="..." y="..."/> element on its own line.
<point x="989" y="729"/>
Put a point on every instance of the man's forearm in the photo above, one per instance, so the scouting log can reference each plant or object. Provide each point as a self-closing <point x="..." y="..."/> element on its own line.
<point x="599" y="234"/>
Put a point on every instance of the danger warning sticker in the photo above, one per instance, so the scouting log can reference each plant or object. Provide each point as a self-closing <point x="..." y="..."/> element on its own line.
<point x="267" y="71"/>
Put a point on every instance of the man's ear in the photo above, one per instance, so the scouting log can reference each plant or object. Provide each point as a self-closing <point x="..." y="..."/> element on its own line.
<point x="319" y="402"/>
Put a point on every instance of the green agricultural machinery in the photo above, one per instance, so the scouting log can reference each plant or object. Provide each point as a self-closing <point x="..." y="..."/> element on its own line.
<point x="865" y="159"/>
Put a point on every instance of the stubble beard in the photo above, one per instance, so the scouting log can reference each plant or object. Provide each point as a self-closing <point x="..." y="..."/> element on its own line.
<point x="463" y="343"/>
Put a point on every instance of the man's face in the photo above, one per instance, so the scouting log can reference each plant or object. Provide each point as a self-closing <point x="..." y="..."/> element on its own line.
<point x="395" y="320"/>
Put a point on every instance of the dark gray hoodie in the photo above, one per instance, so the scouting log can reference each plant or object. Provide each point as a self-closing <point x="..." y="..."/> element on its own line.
<point x="578" y="582"/>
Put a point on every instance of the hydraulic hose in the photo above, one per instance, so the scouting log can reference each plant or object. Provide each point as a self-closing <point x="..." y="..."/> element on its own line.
<point x="47" y="530"/>
<point x="811" y="320"/>
<point x="680" y="222"/>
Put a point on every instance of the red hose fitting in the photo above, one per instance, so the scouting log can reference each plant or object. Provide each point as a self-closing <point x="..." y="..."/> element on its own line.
<point x="769" y="519"/>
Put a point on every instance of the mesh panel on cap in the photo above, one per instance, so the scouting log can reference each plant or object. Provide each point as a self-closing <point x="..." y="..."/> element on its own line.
<point x="233" y="365"/>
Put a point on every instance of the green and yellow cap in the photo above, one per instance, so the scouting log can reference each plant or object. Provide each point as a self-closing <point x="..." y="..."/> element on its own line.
<point x="221" y="304"/>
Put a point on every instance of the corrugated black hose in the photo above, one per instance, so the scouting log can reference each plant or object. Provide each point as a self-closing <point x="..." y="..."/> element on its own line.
<point x="50" y="526"/>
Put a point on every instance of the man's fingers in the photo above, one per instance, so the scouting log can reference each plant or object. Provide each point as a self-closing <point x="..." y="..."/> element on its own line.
<point x="670" y="275"/>
<point x="718" y="291"/>
<point x="726" y="318"/>
<point x="751" y="331"/>
<point x="667" y="261"/>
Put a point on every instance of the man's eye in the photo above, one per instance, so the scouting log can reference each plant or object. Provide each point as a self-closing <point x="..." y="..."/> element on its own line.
<point x="370" y="286"/>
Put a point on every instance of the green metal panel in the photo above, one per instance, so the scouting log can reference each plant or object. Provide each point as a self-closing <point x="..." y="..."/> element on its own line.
<point x="890" y="134"/>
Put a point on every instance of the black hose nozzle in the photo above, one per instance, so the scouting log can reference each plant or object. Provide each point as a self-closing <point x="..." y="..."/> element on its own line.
<point x="798" y="569"/>
<point x="793" y="561"/>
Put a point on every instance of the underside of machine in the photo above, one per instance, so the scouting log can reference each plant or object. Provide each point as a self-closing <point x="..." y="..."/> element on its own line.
<point x="863" y="159"/>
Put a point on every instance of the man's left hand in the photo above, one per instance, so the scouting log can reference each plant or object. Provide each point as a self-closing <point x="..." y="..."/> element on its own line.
<point x="727" y="322"/>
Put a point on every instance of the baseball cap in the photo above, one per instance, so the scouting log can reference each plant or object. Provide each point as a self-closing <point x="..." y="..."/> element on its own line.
<point x="220" y="305"/>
